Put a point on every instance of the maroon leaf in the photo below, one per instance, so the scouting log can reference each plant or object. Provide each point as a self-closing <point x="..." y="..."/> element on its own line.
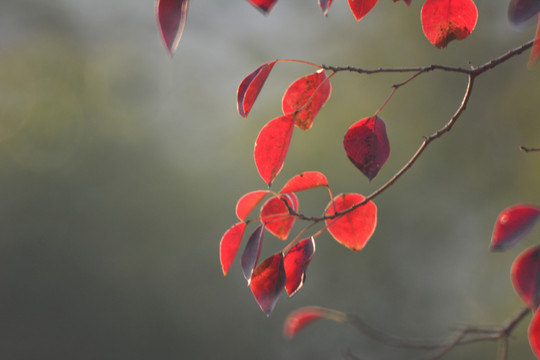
<point x="534" y="334"/>
<point x="268" y="281"/>
<point x="263" y="5"/>
<point x="171" y="17"/>
<point x="360" y="8"/>
<point x="251" y="86"/>
<point x="271" y="147"/>
<point x="248" y="202"/>
<point x="296" y="262"/>
<point x="298" y="319"/>
<point x="367" y="145"/>
<point x="325" y="5"/>
<point x="304" y="181"/>
<point x="520" y="11"/>
<point x="512" y="225"/>
<point x="408" y="2"/>
<point x="251" y="252"/>
<point x="525" y="274"/>
<point x="305" y="97"/>
<point x="276" y="217"/>
<point x="228" y="247"/>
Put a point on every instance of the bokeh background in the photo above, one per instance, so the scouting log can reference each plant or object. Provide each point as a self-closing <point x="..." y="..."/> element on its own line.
<point x="120" y="169"/>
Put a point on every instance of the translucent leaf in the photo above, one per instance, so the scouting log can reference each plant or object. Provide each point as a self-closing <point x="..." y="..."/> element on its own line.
<point x="268" y="281"/>
<point x="298" y="319"/>
<point x="251" y="252"/>
<point x="360" y="8"/>
<point x="275" y="215"/>
<point x="228" y="247"/>
<point x="447" y="20"/>
<point x="519" y="11"/>
<point x="296" y="262"/>
<point x="263" y="5"/>
<point x="305" y="181"/>
<point x="305" y="97"/>
<point x="325" y="5"/>
<point x="512" y="225"/>
<point x="353" y="229"/>
<point x="534" y="334"/>
<point x="367" y="145"/>
<point x="248" y="202"/>
<point x="525" y="274"/>
<point x="171" y="16"/>
<point x="271" y="147"/>
<point x="251" y="86"/>
<point x="535" y="51"/>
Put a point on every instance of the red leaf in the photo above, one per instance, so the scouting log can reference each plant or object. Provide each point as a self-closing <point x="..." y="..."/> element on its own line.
<point x="271" y="147"/>
<point x="305" y="181"/>
<point x="512" y="225"/>
<point x="360" y="8"/>
<point x="228" y="247"/>
<point x="353" y="229"/>
<point x="251" y="252"/>
<point x="275" y="215"/>
<point x="296" y="262"/>
<point x="535" y="52"/>
<point x="298" y="319"/>
<point x="325" y="5"/>
<point x="520" y="11"/>
<point x="248" y="202"/>
<point x="263" y="5"/>
<point x="305" y="97"/>
<point x="534" y="334"/>
<point x="408" y="2"/>
<point x="251" y="86"/>
<point x="171" y="17"/>
<point x="526" y="276"/>
<point x="447" y="20"/>
<point x="268" y="281"/>
<point x="367" y="146"/>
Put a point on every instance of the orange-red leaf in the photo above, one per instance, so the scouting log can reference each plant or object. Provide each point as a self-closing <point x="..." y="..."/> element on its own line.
<point x="248" y="202"/>
<point x="251" y="86"/>
<point x="275" y="215"/>
<point x="271" y="147"/>
<point x="360" y="8"/>
<point x="512" y="225"/>
<point x="525" y="274"/>
<point x="520" y="11"/>
<point x="534" y="334"/>
<point x="447" y="20"/>
<point x="354" y="228"/>
<point x="228" y="247"/>
<point x="305" y="97"/>
<point x="325" y="5"/>
<point x="263" y="5"/>
<point x="171" y="16"/>
<point x="298" y="319"/>
<point x="305" y="181"/>
<point x="535" y="51"/>
<point x="296" y="262"/>
<point x="250" y="256"/>
<point x="367" y="145"/>
<point x="268" y="281"/>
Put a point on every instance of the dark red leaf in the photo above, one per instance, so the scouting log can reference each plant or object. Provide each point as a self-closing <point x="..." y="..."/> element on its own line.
<point x="305" y="97"/>
<point x="447" y="20"/>
<point x="534" y="334"/>
<point x="228" y="247"/>
<point x="251" y="252"/>
<point x="367" y="146"/>
<point x="513" y="224"/>
<point x="525" y="274"/>
<point x="408" y="2"/>
<point x="325" y="5"/>
<point x="296" y="262"/>
<point x="171" y="17"/>
<point x="251" y="86"/>
<point x="305" y="181"/>
<point x="263" y="5"/>
<point x="298" y="319"/>
<point x="520" y="11"/>
<point x="275" y="215"/>
<point x="353" y="229"/>
<point x="271" y="147"/>
<point x="535" y="52"/>
<point x="360" y="8"/>
<point x="248" y="202"/>
<point x="268" y="281"/>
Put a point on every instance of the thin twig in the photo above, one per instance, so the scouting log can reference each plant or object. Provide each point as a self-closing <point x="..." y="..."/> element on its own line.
<point x="525" y="149"/>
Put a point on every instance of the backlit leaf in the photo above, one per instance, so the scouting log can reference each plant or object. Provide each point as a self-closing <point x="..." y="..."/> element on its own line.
<point x="535" y="51"/>
<point x="228" y="247"/>
<point x="353" y="229"/>
<point x="171" y="16"/>
<point x="263" y="5"/>
<point x="305" y="181"/>
<point x="271" y="147"/>
<point x="367" y="146"/>
<point x="298" y="319"/>
<point x="248" y="202"/>
<point x="251" y="86"/>
<point x="268" y="281"/>
<point x="513" y="224"/>
<point x="325" y="5"/>
<point x="520" y="11"/>
<point x="447" y="20"/>
<point x="276" y="217"/>
<point x="296" y="262"/>
<point x="534" y="334"/>
<point x="251" y="252"/>
<point x="360" y="8"/>
<point x="525" y="274"/>
<point x="305" y="97"/>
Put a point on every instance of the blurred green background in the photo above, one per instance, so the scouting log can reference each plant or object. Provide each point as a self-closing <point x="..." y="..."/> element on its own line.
<point x="120" y="169"/>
